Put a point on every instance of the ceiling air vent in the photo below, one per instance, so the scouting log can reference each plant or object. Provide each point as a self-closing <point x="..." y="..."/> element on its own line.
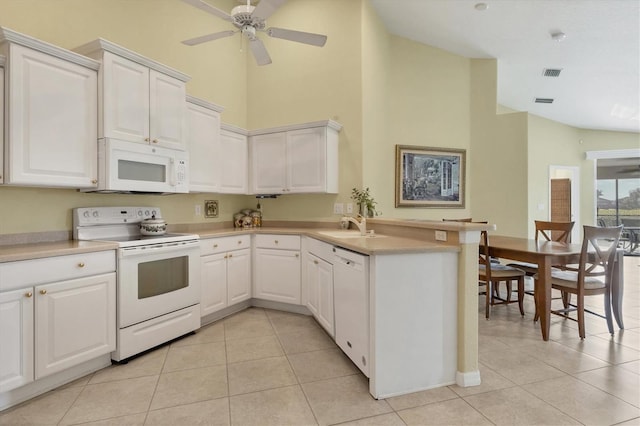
<point x="543" y="100"/>
<point x="551" y="72"/>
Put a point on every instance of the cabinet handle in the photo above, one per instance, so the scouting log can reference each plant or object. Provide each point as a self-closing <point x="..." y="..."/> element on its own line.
<point x="315" y="262"/>
<point x="155" y="141"/>
<point x="215" y="246"/>
<point x="43" y="291"/>
<point x="239" y="241"/>
<point x="94" y="181"/>
<point x="275" y="241"/>
<point x="146" y="139"/>
<point x="297" y="255"/>
<point x="226" y="256"/>
<point x="28" y="294"/>
<point x="81" y="265"/>
<point x="230" y="254"/>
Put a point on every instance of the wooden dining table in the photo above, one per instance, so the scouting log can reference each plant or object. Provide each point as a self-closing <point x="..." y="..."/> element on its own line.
<point x="546" y="254"/>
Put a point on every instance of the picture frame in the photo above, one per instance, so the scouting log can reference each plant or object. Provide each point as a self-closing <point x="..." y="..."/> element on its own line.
<point x="430" y="177"/>
<point x="211" y="208"/>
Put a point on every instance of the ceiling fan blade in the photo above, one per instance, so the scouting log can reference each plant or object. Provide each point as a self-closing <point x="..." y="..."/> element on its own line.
<point x="265" y="8"/>
<point x="209" y="9"/>
<point x="298" y="36"/>
<point x="259" y="51"/>
<point x="208" y="37"/>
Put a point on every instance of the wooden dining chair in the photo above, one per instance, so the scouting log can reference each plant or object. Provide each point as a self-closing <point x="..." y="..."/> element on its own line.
<point x="559" y="232"/>
<point x="493" y="273"/>
<point x="592" y="276"/>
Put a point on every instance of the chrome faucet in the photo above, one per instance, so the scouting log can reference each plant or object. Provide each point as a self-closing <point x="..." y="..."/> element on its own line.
<point x="361" y="223"/>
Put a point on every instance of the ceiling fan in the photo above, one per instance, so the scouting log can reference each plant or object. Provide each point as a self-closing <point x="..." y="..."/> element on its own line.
<point x="630" y="170"/>
<point x="249" y="20"/>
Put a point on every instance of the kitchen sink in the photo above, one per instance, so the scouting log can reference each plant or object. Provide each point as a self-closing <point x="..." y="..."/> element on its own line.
<point x="348" y="233"/>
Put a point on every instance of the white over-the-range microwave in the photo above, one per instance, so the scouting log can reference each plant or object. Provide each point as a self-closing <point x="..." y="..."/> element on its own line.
<point x="138" y="168"/>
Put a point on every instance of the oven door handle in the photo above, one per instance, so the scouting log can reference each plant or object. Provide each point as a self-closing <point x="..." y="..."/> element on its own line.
<point x="176" y="247"/>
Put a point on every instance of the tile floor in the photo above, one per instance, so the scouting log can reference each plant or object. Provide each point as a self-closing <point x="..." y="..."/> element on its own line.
<point x="263" y="367"/>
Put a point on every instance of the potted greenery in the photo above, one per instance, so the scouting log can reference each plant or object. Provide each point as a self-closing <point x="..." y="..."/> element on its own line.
<point x="366" y="203"/>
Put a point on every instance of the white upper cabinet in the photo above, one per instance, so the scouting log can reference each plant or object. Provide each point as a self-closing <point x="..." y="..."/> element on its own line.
<point x="140" y="100"/>
<point x="233" y="163"/>
<point x="51" y="101"/>
<point x="203" y="143"/>
<point x="295" y="159"/>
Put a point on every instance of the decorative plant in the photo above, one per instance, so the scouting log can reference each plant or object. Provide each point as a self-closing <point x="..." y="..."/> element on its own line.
<point x="366" y="203"/>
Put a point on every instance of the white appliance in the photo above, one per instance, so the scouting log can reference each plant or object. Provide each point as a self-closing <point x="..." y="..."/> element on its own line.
<point x="140" y="168"/>
<point x="158" y="277"/>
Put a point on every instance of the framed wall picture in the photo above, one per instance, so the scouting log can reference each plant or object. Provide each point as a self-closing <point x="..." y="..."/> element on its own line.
<point x="211" y="208"/>
<point x="430" y="177"/>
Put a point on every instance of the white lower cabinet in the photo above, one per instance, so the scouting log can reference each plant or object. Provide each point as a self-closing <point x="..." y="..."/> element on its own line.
<point x="277" y="268"/>
<point x="74" y="322"/>
<point x="55" y="313"/>
<point x="317" y="273"/>
<point x="226" y="272"/>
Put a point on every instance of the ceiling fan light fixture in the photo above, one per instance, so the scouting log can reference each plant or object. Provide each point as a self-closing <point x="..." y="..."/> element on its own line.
<point x="481" y="7"/>
<point x="558" y="36"/>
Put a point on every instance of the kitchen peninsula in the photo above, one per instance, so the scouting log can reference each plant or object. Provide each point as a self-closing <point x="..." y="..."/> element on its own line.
<point x="422" y="296"/>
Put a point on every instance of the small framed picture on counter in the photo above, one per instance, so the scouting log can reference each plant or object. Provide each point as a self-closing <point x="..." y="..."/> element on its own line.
<point x="430" y="177"/>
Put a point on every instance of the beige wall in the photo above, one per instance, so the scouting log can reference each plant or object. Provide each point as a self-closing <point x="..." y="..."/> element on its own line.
<point x="383" y="89"/>
<point x="498" y="172"/>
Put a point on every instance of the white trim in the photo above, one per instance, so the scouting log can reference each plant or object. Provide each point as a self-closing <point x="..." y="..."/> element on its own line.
<point x="234" y="129"/>
<point x="324" y="123"/>
<point x="614" y="153"/>
<point x="469" y="378"/>
<point x="10" y="36"/>
<point x="205" y="104"/>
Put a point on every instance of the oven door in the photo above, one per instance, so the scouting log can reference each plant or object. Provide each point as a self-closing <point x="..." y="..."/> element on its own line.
<point x="156" y="279"/>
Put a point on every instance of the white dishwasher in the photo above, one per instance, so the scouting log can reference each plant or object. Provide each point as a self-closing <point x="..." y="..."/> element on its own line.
<point x="351" y="304"/>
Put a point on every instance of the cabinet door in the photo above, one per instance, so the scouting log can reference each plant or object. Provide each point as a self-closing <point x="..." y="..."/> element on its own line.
<point x="268" y="163"/>
<point x="214" y="283"/>
<point x="16" y="338"/>
<point x="167" y="110"/>
<point x="325" y="296"/>
<point x="203" y="142"/>
<point x="311" y="279"/>
<point x="238" y="276"/>
<point x="306" y="160"/>
<point x="75" y="322"/>
<point x="277" y="275"/>
<point x="233" y="163"/>
<point x="125" y="99"/>
<point x="52" y="121"/>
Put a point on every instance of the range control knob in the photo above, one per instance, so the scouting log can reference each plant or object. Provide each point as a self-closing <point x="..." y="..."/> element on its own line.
<point x="95" y="213"/>
<point x="86" y="213"/>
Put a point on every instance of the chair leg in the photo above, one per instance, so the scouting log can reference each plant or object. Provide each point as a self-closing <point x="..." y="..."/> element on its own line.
<point x="488" y="300"/>
<point x="607" y="311"/>
<point x="566" y="299"/>
<point x="509" y="290"/>
<point x="521" y="295"/>
<point x="581" y="316"/>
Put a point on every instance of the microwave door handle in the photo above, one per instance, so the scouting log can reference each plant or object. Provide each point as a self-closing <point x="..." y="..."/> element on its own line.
<point x="172" y="172"/>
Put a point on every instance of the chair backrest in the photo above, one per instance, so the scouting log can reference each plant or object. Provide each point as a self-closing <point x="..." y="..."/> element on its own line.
<point x="598" y="252"/>
<point x="483" y="254"/>
<point x="630" y="222"/>
<point x="554" y="231"/>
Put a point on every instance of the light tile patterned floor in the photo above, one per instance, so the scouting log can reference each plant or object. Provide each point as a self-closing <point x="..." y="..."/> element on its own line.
<point x="262" y="367"/>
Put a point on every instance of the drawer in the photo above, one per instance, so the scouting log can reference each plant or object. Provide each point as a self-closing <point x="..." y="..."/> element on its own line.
<point x="223" y="244"/>
<point x="273" y="241"/>
<point x="320" y="249"/>
<point x="26" y="273"/>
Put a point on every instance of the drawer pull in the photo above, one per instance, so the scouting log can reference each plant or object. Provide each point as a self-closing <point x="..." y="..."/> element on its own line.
<point x="315" y="262"/>
<point x="215" y="246"/>
<point x="28" y="294"/>
<point x="43" y="291"/>
<point x="226" y="256"/>
<point x="81" y="265"/>
<point x="297" y="255"/>
<point x="239" y="241"/>
<point x="146" y="139"/>
<point x="275" y="241"/>
<point x="230" y="254"/>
